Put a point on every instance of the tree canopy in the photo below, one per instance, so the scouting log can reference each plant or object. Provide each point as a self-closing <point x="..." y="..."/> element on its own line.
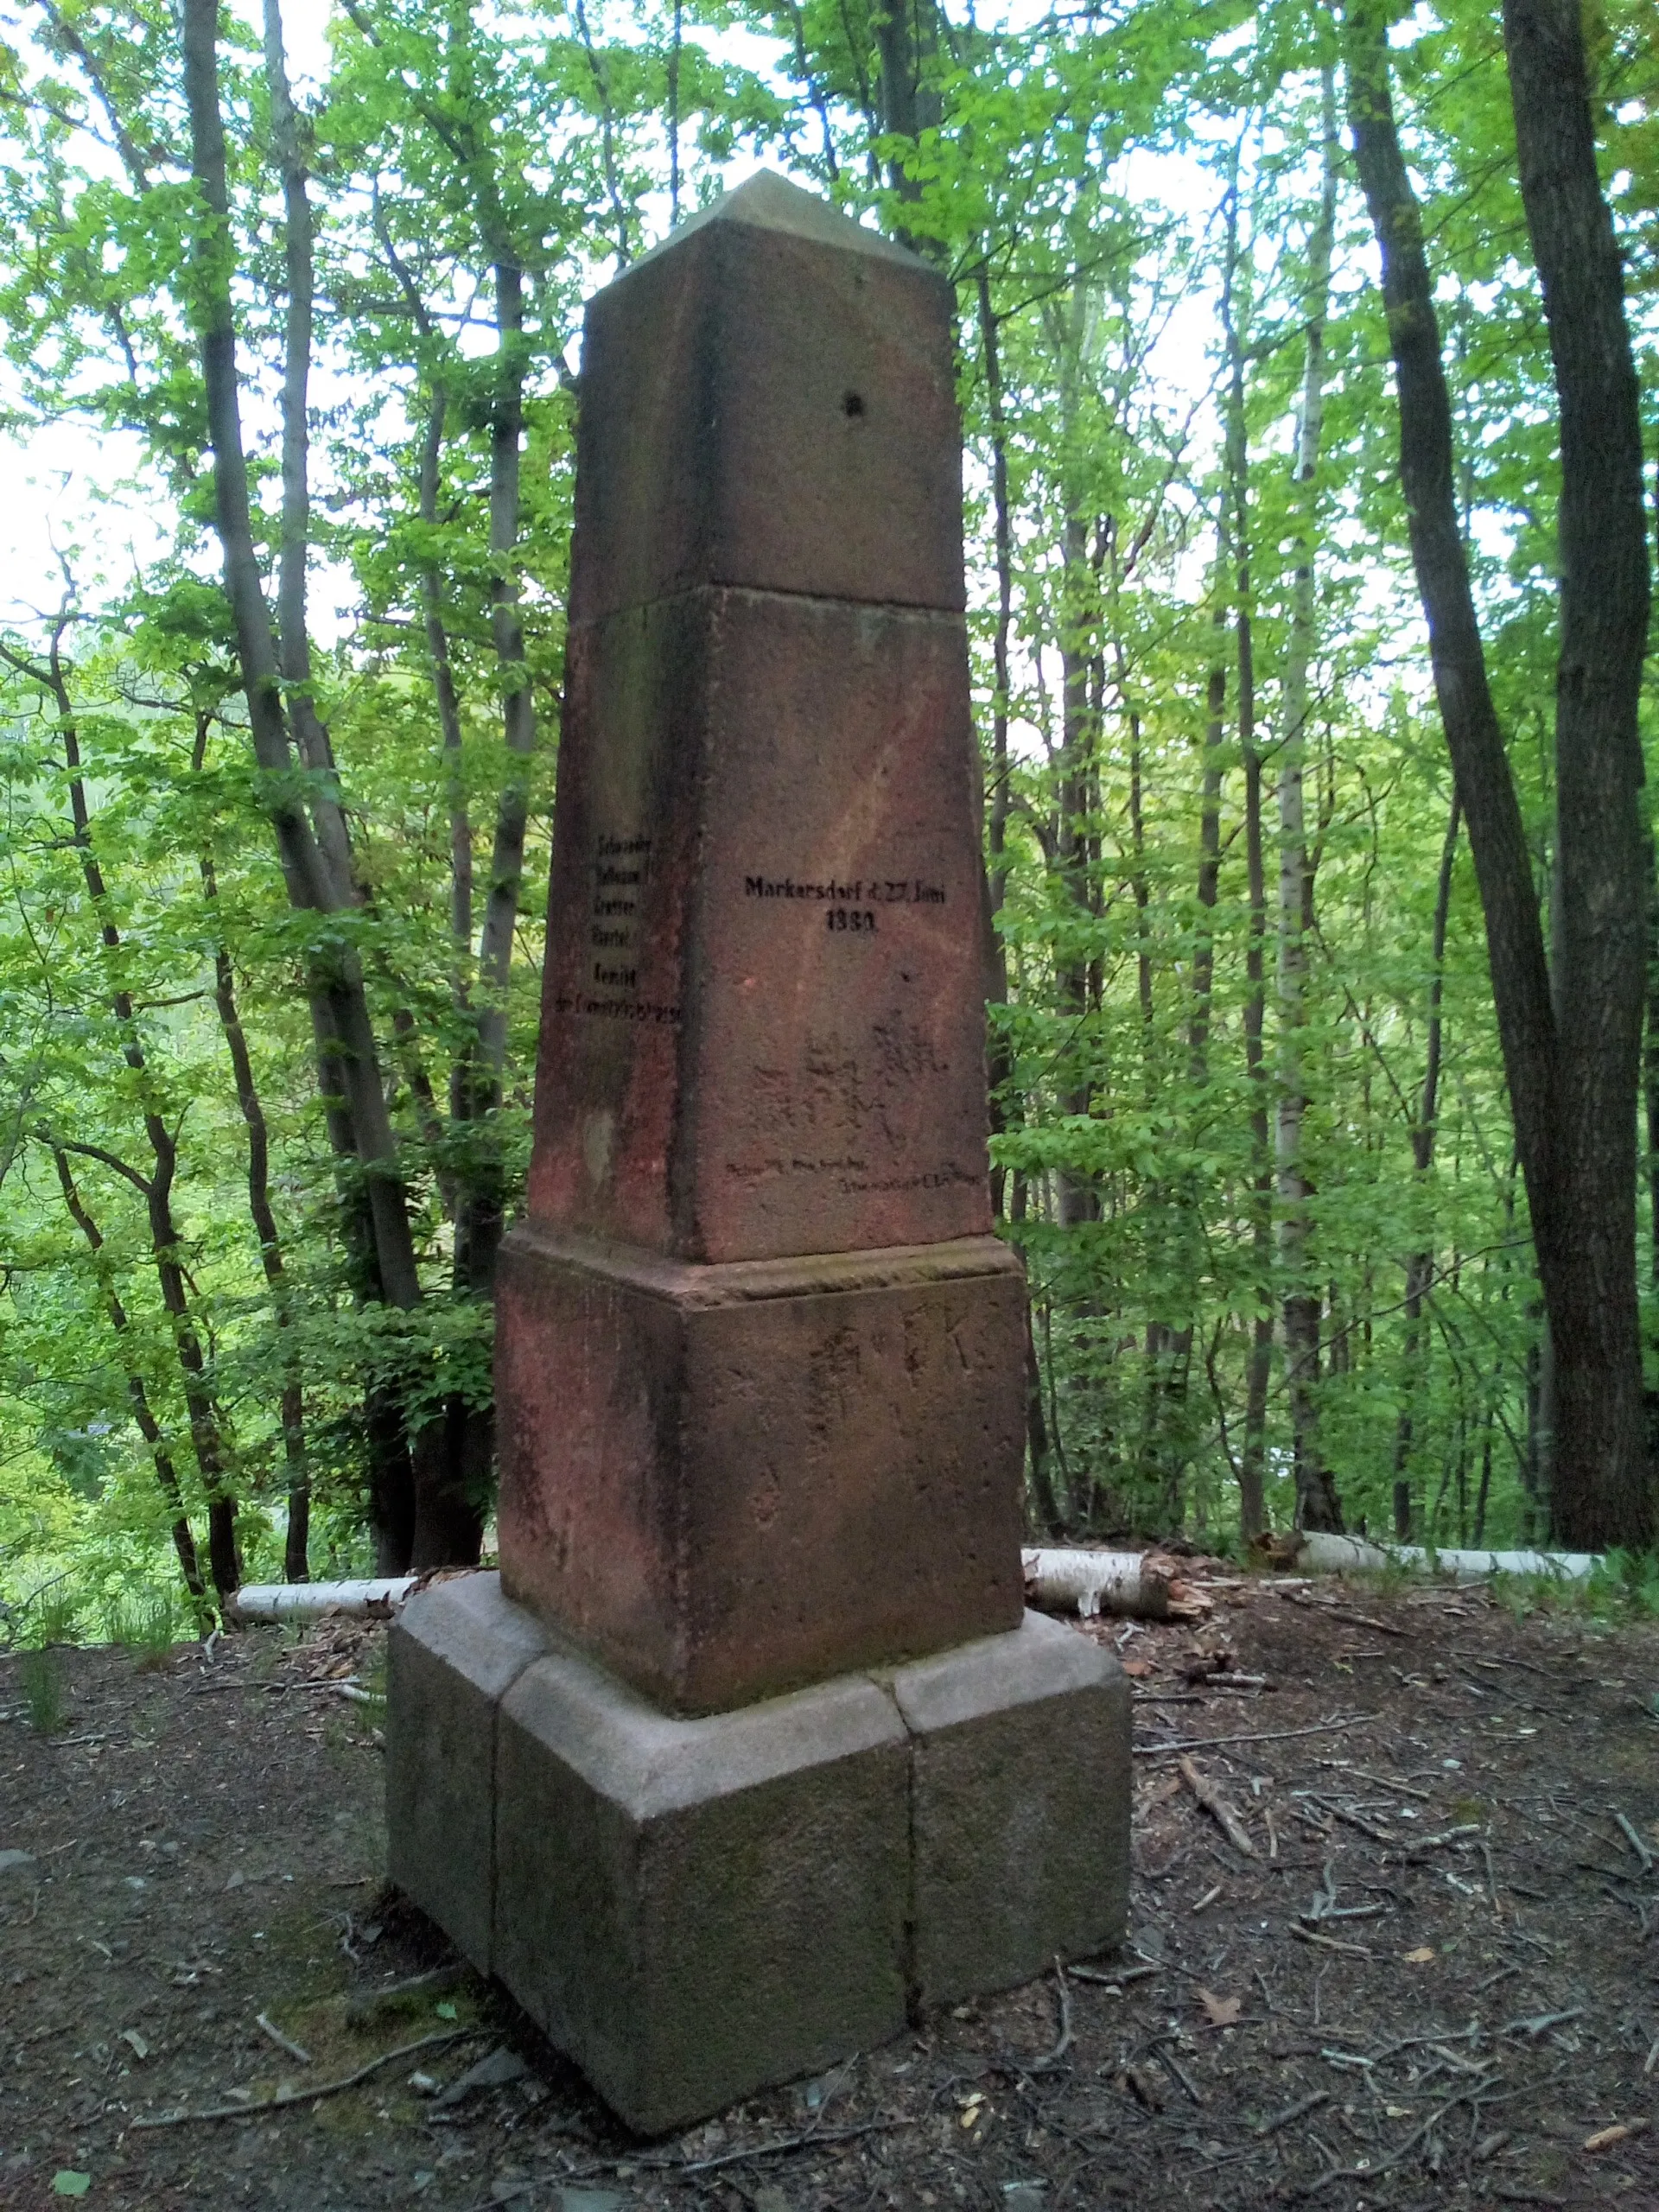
<point x="1324" y="1055"/>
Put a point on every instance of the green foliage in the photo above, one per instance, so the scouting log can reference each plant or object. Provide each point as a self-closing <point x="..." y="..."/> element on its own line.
<point x="41" y="1674"/>
<point x="1078" y="179"/>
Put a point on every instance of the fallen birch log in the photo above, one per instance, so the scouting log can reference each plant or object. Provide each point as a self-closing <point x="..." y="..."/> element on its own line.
<point x="1088" y="1583"/>
<point x="278" y="1601"/>
<point x="1355" y="1555"/>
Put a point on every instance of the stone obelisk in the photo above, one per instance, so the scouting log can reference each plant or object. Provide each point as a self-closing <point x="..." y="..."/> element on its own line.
<point x="753" y="1744"/>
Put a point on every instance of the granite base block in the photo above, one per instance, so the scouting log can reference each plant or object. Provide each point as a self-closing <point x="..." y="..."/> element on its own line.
<point x="453" y="1656"/>
<point x="694" y="1908"/>
<point x="1019" y="1808"/>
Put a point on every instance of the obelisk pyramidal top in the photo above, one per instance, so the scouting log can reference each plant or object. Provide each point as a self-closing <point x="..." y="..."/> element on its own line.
<point x="763" y="1028"/>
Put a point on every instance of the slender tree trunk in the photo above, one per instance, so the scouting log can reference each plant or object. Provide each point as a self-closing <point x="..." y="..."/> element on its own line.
<point x="1650" y="1066"/>
<point x="304" y="867"/>
<point x="1252" y="1461"/>
<point x="1572" y="1056"/>
<point x="907" y="39"/>
<point x="345" y="1033"/>
<point x="206" y="1432"/>
<point x="292" y="1403"/>
<point x="293" y="633"/>
<point x="167" y="1474"/>
<point x="1419" y="1268"/>
<point x="1317" y="1502"/>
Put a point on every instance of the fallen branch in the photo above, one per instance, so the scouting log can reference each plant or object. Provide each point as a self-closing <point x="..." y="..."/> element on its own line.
<point x="1218" y="1809"/>
<point x="1627" y="1830"/>
<point x="1063" y="2040"/>
<point x="808" y="2140"/>
<point x="283" y="2042"/>
<point x="1328" y="1942"/>
<point x="1300" y="2110"/>
<point x="1115" y="1980"/>
<point x="283" y="2098"/>
<point x="1257" y="1736"/>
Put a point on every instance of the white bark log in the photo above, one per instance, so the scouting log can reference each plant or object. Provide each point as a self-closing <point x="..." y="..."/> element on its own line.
<point x="276" y="1601"/>
<point x="1095" y="1582"/>
<point x="1352" y="1555"/>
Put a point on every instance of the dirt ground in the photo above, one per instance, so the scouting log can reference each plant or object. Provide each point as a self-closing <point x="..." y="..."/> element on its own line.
<point x="1431" y="1982"/>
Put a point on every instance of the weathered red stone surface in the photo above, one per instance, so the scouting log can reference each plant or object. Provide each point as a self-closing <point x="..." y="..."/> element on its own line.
<point x="768" y="399"/>
<point x="731" y="1481"/>
<point x="762" y="1030"/>
<point x="762" y="1036"/>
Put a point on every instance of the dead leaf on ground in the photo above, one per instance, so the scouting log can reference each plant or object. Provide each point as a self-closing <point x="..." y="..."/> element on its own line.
<point x="1222" y="2011"/>
<point x="1140" y="1669"/>
<point x="1604" y="2138"/>
<point x="1421" y="1956"/>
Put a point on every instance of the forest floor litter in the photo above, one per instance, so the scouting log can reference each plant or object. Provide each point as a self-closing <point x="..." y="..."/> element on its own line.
<point x="1394" y="1943"/>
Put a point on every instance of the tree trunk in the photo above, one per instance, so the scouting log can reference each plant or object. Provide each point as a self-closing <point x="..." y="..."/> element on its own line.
<point x="293" y="632"/>
<point x="348" y="1054"/>
<point x="1603" y="1490"/>
<point x="157" y="1188"/>
<point x="1252" y="1461"/>
<point x="1419" y="1268"/>
<point x="1571" y="1059"/>
<point x="906" y="40"/>
<point x="1317" y="1502"/>
<point x="166" y="1475"/>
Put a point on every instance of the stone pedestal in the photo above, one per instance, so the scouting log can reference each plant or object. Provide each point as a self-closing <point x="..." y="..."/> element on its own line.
<point x="754" y="1748"/>
<point x="692" y="1908"/>
<point x="733" y="1480"/>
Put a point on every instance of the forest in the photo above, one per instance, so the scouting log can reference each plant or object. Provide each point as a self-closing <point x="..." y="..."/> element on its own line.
<point x="1308" y="364"/>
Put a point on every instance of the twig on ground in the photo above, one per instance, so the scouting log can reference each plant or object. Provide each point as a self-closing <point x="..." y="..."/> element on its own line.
<point x="1111" y="1981"/>
<point x="1353" y="1819"/>
<point x="1485" y="1851"/>
<point x="1062" y="2042"/>
<point x="1422" y="1843"/>
<point x="1218" y="1809"/>
<point x="283" y="2042"/>
<point x="1329" y="1942"/>
<point x="1627" y="1830"/>
<point x="1383" y="1781"/>
<point x="1290" y="2113"/>
<point x="1256" y="1736"/>
<point x="286" y="2097"/>
<point x="1342" y="1613"/>
<point x="1172" y="2066"/>
<point x="1541" y="2023"/>
<point x="808" y="2140"/>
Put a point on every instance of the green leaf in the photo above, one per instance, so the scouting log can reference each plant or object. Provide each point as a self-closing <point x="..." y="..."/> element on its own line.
<point x="67" y="2183"/>
<point x="445" y="2011"/>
